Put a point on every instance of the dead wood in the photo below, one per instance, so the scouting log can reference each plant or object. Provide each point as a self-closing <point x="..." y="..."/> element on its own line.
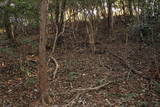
<point x="92" y="88"/>
<point x="57" y="66"/>
<point x="84" y="90"/>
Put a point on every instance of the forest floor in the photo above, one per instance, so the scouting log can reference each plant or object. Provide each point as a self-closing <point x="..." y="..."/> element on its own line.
<point x="83" y="79"/>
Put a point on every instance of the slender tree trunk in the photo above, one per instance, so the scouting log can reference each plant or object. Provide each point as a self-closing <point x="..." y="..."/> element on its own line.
<point x="43" y="79"/>
<point x="57" y="12"/>
<point x="103" y="9"/>
<point x="123" y="7"/>
<point x="62" y="14"/>
<point x="60" y="9"/>
<point x="7" y="26"/>
<point x="110" y="18"/>
<point x="136" y="9"/>
<point x="130" y="3"/>
<point x="7" y="23"/>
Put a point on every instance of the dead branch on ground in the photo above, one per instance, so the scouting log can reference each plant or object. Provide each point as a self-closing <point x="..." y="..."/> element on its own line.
<point x="92" y="88"/>
<point x="57" y="66"/>
<point x="84" y="90"/>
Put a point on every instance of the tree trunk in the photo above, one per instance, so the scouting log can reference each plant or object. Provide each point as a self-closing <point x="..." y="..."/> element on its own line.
<point x="123" y="7"/>
<point x="135" y="9"/>
<point x="57" y="12"/>
<point x="130" y="3"/>
<point x="62" y="14"/>
<point x="60" y="9"/>
<point x="43" y="78"/>
<point x="110" y="18"/>
<point x="103" y="9"/>
<point x="7" y="26"/>
<point x="7" y="23"/>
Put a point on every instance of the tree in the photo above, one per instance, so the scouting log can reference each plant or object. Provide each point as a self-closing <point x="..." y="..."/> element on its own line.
<point x="110" y="17"/>
<point x="130" y="3"/>
<point x="59" y="17"/>
<point x="43" y="79"/>
<point x="6" y="20"/>
<point x="18" y="15"/>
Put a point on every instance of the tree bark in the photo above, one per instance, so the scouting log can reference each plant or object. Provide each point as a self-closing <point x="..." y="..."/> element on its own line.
<point x="43" y="78"/>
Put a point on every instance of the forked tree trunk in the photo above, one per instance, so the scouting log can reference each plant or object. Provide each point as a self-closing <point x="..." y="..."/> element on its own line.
<point x="60" y="12"/>
<point x="43" y="80"/>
